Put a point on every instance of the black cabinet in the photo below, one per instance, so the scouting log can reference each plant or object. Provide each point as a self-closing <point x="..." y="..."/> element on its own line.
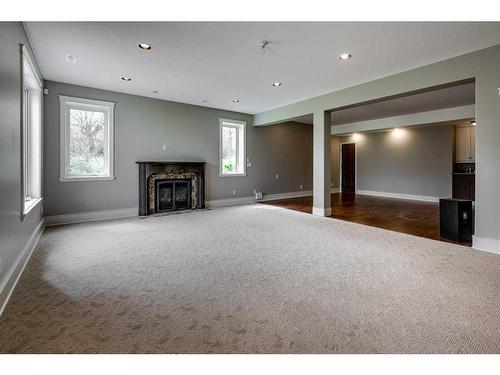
<point x="464" y="186"/>
<point x="455" y="219"/>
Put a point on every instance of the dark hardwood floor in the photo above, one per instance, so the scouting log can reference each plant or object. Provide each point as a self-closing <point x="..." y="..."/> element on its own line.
<point x="400" y="215"/>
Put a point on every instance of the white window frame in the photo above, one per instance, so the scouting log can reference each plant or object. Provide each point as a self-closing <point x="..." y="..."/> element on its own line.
<point x="241" y="128"/>
<point x="68" y="102"/>
<point x="31" y="127"/>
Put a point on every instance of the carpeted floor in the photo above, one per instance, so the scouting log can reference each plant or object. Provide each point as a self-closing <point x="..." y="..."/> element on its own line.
<point x="251" y="279"/>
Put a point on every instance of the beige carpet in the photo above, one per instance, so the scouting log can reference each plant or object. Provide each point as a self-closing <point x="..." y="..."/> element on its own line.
<point x="251" y="279"/>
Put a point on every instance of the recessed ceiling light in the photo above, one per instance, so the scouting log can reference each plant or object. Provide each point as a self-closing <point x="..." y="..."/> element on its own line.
<point x="236" y="100"/>
<point x="71" y="59"/>
<point x="345" y="56"/>
<point x="126" y="79"/>
<point x="144" y="46"/>
<point x="277" y="84"/>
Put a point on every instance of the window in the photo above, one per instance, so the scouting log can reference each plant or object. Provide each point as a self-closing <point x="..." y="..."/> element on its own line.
<point x="31" y="147"/>
<point x="86" y="139"/>
<point x="232" y="148"/>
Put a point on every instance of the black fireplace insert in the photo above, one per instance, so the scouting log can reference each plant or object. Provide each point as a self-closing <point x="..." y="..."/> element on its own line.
<point x="173" y="195"/>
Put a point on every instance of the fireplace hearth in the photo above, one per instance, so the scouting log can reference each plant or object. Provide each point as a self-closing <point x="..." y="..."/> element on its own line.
<point x="170" y="186"/>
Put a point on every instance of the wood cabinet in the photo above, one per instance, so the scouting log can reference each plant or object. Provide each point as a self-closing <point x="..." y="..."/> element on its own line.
<point x="465" y="144"/>
<point x="464" y="186"/>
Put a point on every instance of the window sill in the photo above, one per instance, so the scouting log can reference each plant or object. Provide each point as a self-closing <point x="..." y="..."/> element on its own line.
<point x="28" y="207"/>
<point x="90" y="178"/>
<point x="232" y="175"/>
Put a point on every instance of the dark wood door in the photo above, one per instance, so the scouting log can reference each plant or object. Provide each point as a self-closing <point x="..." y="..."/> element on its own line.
<point x="348" y="168"/>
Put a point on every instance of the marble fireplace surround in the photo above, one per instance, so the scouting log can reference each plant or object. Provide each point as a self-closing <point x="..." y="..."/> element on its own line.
<point x="151" y="171"/>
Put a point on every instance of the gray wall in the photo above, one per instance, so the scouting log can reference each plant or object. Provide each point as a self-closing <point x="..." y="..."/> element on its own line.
<point x="419" y="162"/>
<point x="14" y="233"/>
<point x="143" y="125"/>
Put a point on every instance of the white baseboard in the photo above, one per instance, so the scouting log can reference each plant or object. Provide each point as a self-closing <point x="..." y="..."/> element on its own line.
<point x="10" y="282"/>
<point x="81" y="217"/>
<point x="424" y="198"/>
<point x="322" y="211"/>
<point x="251" y="199"/>
<point x="490" y="245"/>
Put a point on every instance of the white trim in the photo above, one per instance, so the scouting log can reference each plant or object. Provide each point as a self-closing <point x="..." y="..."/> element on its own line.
<point x="89" y="102"/>
<point x="27" y="56"/>
<point x="251" y="199"/>
<point x="26" y="129"/>
<point x="32" y="204"/>
<point x="490" y="245"/>
<point x="322" y="211"/>
<point x="88" y="178"/>
<point x="423" y="198"/>
<point x="11" y="280"/>
<point x="108" y="109"/>
<point x="447" y="116"/>
<point x="237" y="124"/>
<point x="81" y="217"/>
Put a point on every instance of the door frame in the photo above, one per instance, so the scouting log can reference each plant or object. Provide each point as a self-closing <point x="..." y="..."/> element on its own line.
<point x="355" y="165"/>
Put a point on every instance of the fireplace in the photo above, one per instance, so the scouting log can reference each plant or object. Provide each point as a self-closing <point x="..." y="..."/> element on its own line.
<point x="173" y="195"/>
<point x="170" y="186"/>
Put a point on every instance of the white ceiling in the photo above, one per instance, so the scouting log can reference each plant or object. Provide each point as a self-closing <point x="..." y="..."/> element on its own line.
<point x="216" y="61"/>
<point x="448" y="97"/>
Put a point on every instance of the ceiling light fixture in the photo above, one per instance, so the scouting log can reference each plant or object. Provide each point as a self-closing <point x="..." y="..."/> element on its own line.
<point x="126" y="79"/>
<point x="345" y="56"/>
<point x="236" y="100"/>
<point x="277" y="84"/>
<point x="145" y="46"/>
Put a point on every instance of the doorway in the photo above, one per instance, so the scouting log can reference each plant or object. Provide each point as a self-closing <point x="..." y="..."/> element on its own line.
<point x="348" y="165"/>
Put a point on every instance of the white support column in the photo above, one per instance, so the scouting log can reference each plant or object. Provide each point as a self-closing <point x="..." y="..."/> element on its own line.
<point x="321" y="163"/>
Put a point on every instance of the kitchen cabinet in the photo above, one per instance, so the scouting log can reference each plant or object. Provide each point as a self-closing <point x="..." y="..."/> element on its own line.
<point x="464" y="186"/>
<point x="465" y="144"/>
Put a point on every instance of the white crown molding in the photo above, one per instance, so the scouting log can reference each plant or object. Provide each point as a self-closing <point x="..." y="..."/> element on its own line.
<point x="11" y="280"/>
<point x="423" y="198"/>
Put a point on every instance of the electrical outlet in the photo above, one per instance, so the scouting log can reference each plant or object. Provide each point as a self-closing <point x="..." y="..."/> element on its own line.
<point x="164" y="147"/>
<point x="234" y="192"/>
<point x="277" y="176"/>
<point x="249" y="164"/>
